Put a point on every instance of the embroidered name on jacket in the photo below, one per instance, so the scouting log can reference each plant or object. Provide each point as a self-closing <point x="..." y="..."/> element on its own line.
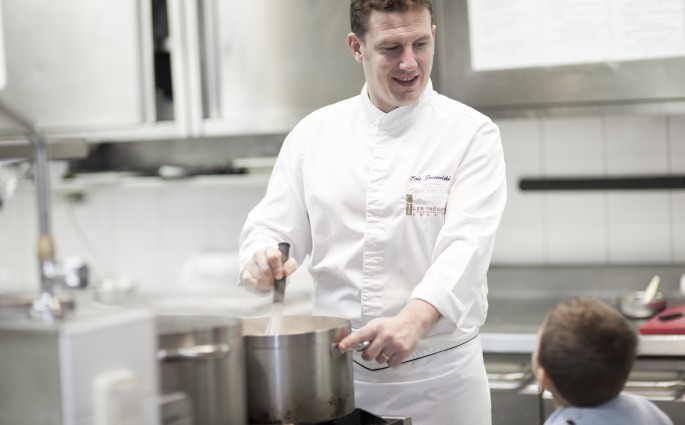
<point x="429" y="177"/>
<point x="427" y="195"/>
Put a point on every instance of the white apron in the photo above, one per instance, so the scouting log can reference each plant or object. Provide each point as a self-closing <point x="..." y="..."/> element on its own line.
<point x="446" y="388"/>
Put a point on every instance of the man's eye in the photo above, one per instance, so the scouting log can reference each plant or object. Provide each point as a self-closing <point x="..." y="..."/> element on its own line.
<point x="390" y="49"/>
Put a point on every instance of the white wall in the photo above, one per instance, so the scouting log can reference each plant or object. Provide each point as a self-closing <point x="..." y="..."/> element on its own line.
<point x="599" y="227"/>
<point x="144" y="229"/>
<point x="147" y="229"/>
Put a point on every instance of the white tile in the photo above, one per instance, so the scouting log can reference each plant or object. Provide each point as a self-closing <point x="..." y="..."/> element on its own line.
<point x="640" y="227"/>
<point x="137" y="217"/>
<point x="676" y="127"/>
<point x="87" y="230"/>
<point x="183" y="205"/>
<point x="175" y="257"/>
<point x="26" y="270"/>
<point x="184" y="218"/>
<point x="14" y="247"/>
<point x="679" y="243"/>
<point x="575" y="165"/>
<point x="635" y="134"/>
<point x="577" y="243"/>
<point x="138" y="209"/>
<point x="649" y="207"/>
<point x="228" y="210"/>
<point x="575" y="227"/>
<point x="637" y="242"/>
<point x="519" y="243"/>
<point x="139" y="259"/>
<point x="522" y="166"/>
<point x="573" y="146"/>
<point x="676" y="163"/>
<point x="520" y="204"/>
<point x="74" y="231"/>
<point x="678" y="204"/>
<point x="676" y="139"/>
<point x="637" y="145"/>
<point x="576" y="137"/>
<point x="520" y="137"/>
<point x="635" y="164"/>
<point x="184" y="229"/>
<point x="678" y="233"/>
<point x="576" y="206"/>
<point x="524" y="207"/>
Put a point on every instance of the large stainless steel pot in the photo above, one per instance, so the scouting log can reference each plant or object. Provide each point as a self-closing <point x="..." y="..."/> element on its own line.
<point x="298" y="376"/>
<point x="204" y="358"/>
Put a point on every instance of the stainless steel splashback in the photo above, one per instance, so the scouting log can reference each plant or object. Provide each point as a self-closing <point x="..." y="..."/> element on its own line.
<point x="644" y="86"/>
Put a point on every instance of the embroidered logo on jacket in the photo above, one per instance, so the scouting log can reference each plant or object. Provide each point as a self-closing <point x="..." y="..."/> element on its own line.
<point x="427" y="195"/>
<point x="423" y="211"/>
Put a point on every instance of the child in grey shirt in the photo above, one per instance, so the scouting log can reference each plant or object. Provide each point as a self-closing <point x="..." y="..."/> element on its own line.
<point x="584" y="354"/>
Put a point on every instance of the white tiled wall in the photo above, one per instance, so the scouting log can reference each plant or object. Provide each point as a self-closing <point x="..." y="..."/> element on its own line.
<point x="145" y="229"/>
<point x="600" y="227"/>
<point x="148" y="229"/>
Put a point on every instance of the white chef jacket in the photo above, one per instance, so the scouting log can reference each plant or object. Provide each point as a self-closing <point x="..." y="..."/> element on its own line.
<point x="390" y="207"/>
<point x="626" y="409"/>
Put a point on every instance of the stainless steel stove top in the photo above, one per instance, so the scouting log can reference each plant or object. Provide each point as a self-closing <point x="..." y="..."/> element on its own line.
<point x="362" y="417"/>
<point x="396" y="420"/>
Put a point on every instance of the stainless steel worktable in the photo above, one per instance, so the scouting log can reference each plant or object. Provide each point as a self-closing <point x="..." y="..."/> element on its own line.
<point x="521" y="296"/>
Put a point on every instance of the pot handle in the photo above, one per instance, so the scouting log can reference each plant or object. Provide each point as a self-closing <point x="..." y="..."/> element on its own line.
<point x="335" y="351"/>
<point x="196" y="352"/>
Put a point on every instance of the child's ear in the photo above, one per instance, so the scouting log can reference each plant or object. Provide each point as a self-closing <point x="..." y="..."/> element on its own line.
<point x="542" y="379"/>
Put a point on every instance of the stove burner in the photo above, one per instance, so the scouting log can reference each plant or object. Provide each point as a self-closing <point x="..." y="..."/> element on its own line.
<point x="358" y="417"/>
<point x="362" y="417"/>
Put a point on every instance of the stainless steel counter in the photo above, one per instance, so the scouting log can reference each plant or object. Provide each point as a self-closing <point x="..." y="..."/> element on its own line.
<point x="521" y="296"/>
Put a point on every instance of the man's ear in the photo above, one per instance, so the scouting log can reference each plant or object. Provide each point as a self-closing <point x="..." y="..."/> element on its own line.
<point x="355" y="46"/>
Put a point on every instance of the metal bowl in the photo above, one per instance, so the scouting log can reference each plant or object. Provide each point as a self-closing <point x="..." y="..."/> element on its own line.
<point x="633" y="305"/>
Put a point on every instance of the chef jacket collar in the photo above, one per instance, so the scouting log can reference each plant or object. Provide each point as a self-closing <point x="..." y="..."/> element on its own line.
<point x="398" y="118"/>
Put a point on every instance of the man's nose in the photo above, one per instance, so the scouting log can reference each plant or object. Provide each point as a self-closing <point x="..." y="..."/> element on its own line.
<point x="408" y="59"/>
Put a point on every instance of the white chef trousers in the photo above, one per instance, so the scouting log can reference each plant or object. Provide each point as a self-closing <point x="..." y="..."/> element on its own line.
<point x="446" y="388"/>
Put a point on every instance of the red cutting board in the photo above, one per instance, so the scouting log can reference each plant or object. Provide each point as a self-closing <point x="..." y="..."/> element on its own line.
<point x="673" y="326"/>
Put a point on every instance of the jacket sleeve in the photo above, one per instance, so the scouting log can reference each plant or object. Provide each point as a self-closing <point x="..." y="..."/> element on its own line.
<point x="280" y="216"/>
<point x="455" y="283"/>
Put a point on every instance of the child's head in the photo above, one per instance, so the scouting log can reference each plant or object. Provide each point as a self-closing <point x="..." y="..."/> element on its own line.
<point x="585" y="352"/>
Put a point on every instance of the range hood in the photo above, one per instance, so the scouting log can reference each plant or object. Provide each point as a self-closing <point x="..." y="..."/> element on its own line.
<point x="639" y="81"/>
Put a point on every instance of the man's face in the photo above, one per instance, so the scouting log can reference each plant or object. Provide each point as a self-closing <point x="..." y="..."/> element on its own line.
<point x="397" y="56"/>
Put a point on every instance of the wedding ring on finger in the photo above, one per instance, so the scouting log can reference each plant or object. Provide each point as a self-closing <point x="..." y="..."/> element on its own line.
<point x="385" y="356"/>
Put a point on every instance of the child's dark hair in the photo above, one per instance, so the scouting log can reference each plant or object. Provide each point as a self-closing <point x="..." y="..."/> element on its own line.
<point x="587" y="350"/>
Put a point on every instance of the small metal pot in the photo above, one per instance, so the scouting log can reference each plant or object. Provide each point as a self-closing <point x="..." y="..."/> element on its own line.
<point x="633" y="305"/>
<point x="202" y="356"/>
<point x="297" y="376"/>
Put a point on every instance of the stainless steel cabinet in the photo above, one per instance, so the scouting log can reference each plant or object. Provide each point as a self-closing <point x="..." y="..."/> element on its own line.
<point x="267" y="63"/>
<point x="91" y="69"/>
<point x="80" y="66"/>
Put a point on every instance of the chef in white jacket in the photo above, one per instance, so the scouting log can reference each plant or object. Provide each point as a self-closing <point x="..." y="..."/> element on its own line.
<point x="395" y="195"/>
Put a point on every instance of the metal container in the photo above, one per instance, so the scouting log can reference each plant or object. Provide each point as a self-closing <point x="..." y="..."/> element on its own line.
<point x="633" y="305"/>
<point x="298" y="376"/>
<point x="203" y="357"/>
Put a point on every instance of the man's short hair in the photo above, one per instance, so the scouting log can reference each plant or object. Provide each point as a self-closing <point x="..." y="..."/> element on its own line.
<point x="587" y="350"/>
<point x="360" y="10"/>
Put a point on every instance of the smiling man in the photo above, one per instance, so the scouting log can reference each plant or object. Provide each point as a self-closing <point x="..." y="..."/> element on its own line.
<point x="396" y="50"/>
<point x="395" y="195"/>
